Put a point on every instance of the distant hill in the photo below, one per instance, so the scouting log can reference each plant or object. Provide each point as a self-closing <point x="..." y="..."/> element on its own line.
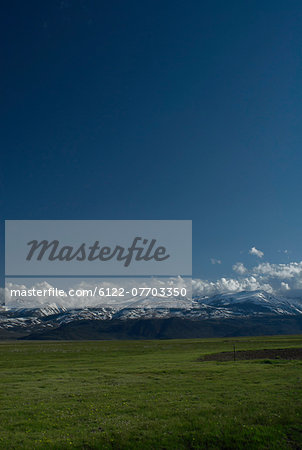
<point x="223" y="315"/>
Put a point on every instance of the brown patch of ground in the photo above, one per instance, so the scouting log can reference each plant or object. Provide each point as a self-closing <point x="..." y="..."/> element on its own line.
<point x="272" y="353"/>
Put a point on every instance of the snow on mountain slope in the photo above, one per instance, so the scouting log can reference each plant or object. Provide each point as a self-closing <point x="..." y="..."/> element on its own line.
<point x="255" y="302"/>
<point x="223" y="306"/>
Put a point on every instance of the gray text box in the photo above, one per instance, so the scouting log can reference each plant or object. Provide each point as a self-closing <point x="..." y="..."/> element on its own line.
<point x="67" y="237"/>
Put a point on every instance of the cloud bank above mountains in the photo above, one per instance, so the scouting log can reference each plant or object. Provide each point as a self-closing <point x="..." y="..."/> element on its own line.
<point x="285" y="279"/>
<point x="280" y="279"/>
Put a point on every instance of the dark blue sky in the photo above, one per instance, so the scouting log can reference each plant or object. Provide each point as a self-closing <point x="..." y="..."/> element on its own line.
<point x="157" y="110"/>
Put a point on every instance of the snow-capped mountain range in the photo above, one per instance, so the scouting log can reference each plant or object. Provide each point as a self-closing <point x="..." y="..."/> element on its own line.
<point x="242" y="305"/>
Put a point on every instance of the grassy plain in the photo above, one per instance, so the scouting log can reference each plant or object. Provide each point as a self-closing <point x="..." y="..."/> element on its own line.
<point x="148" y="395"/>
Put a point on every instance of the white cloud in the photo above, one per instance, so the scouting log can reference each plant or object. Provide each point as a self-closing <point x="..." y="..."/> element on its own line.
<point x="215" y="261"/>
<point x="240" y="268"/>
<point x="281" y="271"/>
<point x="204" y="287"/>
<point x="285" y="286"/>
<point x="284" y="279"/>
<point x="256" y="252"/>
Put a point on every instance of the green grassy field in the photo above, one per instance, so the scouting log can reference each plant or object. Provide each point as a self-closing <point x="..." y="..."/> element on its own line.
<point x="148" y="395"/>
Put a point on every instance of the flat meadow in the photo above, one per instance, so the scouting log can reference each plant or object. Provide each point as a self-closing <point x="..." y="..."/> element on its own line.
<point x="149" y="395"/>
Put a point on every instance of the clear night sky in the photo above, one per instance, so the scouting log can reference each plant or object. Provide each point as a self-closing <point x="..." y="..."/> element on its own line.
<point x="157" y="110"/>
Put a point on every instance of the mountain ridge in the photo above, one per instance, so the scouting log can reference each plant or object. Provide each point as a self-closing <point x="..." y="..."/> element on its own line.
<point x="220" y="311"/>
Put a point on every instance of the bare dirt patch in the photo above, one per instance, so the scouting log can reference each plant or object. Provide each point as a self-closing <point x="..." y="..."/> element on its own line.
<point x="274" y="353"/>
